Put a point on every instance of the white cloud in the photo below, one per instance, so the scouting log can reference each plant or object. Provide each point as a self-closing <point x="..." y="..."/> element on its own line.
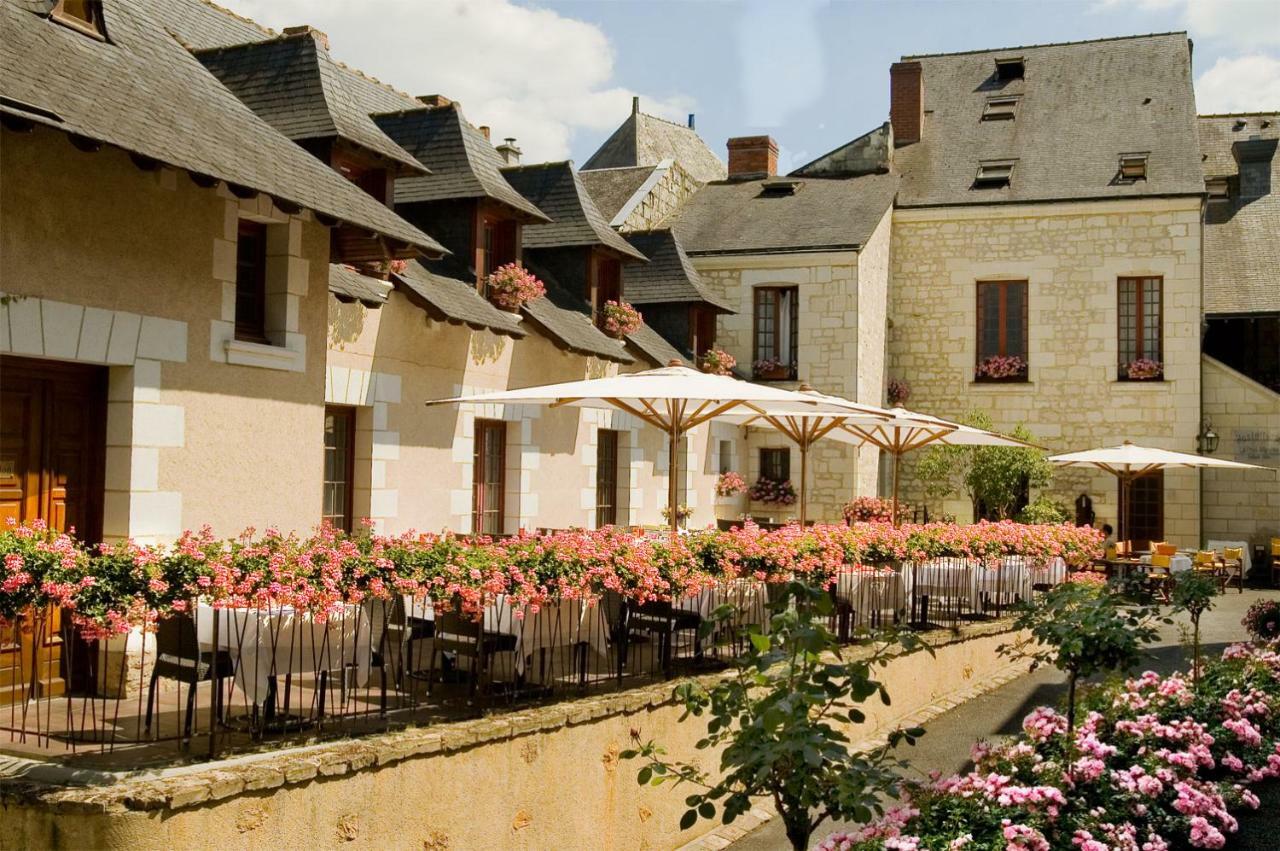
<point x="1243" y="84"/>
<point x="529" y="73"/>
<point x="1236" y="23"/>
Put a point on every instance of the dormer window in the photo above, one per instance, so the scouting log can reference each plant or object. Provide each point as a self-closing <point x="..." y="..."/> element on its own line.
<point x="1219" y="188"/>
<point x="780" y="187"/>
<point x="1133" y="167"/>
<point x="83" y="15"/>
<point x="1010" y="68"/>
<point x="498" y="244"/>
<point x="1000" y="108"/>
<point x="605" y="284"/>
<point x="374" y="181"/>
<point x="993" y="174"/>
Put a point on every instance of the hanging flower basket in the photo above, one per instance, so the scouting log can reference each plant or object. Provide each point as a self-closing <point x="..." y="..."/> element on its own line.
<point x="899" y="391"/>
<point x="770" y="369"/>
<point x="511" y="286"/>
<point x="718" y="362"/>
<point x="730" y="484"/>
<point x="620" y="319"/>
<point x="1143" y="369"/>
<point x="1002" y="368"/>
<point x="773" y="492"/>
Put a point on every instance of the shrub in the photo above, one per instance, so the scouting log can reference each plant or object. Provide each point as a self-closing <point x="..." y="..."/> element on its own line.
<point x="1042" y="509"/>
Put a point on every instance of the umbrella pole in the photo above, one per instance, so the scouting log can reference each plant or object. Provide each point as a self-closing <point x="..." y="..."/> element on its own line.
<point x="804" y="478"/>
<point x="673" y="467"/>
<point x="896" y="459"/>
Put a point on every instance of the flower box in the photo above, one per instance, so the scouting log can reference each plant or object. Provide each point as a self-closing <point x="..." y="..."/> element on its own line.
<point x="1142" y="369"/>
<point x="1001" y="368"/>
<point x="511" y="286"/>
<point x="618" y="319"/>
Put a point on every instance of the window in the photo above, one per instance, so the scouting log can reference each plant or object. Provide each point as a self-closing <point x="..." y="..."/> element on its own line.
<point x="1133" y="167"/>
<point x="498" y="245"/>
<point x="1145" y="513"/>
<point x="777" y="324"/>
<point x="1010" y="68"/>
<point x="84" y="15"/>
<point x="489" y="477"/>
<point x="993" y="174"/>
<point x="725" y="452"/>
<point x="1002" y="324"/>
<point x="606" y="284"/>
<point x="775" y="464"/>
<point x="339" y="465"/>
<point x="702" y="327"/>
<point x="1000" y="108"/>
<point x="606" y="478"/>
<point x="251" y="282"/>
<point x="1140" y="321"/>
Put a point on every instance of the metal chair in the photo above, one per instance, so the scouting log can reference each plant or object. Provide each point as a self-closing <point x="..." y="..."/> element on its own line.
<point x="466" y="637"/>
<point x="179" y="657"/>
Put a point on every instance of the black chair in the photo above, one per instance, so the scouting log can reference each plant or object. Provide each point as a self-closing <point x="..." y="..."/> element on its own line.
<point x="466" y="637"/>
<point x="661" y="619"/>
<point x="178" y="657"/>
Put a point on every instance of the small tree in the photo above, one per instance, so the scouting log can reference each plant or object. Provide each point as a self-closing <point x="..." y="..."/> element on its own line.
<point x="1082" y="630"/>
<point x="993" y="477"/>
<point x="1193" y="593"/>
<point x="779" y="718"/>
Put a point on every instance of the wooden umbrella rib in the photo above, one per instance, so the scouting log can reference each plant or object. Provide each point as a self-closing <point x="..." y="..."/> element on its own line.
<point x="709" y="415"/>
<point x="636" y="412"/>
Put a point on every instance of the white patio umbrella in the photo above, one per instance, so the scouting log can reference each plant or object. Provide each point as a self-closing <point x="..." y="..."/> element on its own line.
<point x="673" y="398"/>
<point x="1128" y="461"/>
<point x="907" y="430"/>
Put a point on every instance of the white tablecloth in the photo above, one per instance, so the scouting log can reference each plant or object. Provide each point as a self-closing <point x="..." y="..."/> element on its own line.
<point x="1177" y="563"/>
<point x="1246" y="561"/>
<point x="871" y="592"/>
<point x="265" y="643"/>
<point x="1053" y="573"/>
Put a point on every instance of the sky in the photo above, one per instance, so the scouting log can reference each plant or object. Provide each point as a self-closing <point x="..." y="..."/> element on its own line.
<point x="559" y="75"/>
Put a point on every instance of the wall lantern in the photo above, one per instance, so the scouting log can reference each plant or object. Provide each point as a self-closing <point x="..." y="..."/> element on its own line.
<point x="1207" y="439"/>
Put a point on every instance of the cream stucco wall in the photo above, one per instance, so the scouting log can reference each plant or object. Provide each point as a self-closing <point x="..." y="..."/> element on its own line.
<point x="1071" y="254"/>
<point x="842" y="297"/>
<point x="1242" y="504"/>
<point x="129" y="269"/>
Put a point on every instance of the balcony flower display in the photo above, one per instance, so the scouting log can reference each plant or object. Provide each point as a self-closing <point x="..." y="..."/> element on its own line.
<point x="873" y="509"/>
<point x="511" y="286"/>
<point x="620" y="319"/>
<point x="769" y="368"/>
<point x="1143" y="369"/>
<point x="899" y="391"/>
<point x="1002" y="368"/>
<point x="773" y="492"/>
<point x="730" y="484"/>
<point x="717" y="361"/>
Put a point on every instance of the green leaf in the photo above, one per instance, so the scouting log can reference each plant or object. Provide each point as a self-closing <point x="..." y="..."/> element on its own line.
<point x="760" y="642"/>
<point x="707" y="809"/>
<point x="689" y="819"/>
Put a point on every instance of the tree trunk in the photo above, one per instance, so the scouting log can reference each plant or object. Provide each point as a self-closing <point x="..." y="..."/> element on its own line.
<point x="1071" y="709"/>
<point x="797" y="826"/>
<point x="1195" y="650"/>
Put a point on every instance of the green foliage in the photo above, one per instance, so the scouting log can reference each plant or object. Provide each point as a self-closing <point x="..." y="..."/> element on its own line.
<point x="781" y="720"/>
<point x="991" y="476"/>
<point x="1042" y="509"/>
<point x="1193" y="593"/>
<point x="1083" y="630"/>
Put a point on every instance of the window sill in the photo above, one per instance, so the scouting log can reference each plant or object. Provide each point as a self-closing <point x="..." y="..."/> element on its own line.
<point x="1020" y="382"/>
<point x="264" y="356"/>
<point x="1141" y="381"/>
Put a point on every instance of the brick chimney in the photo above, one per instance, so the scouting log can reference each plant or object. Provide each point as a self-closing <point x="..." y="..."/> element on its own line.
<point x="434" y="101"/>
<point x="753" y="156"/>
<point x="321" y="38"/>
<point x="906" y="102"/>
<point x="484" y="131"/>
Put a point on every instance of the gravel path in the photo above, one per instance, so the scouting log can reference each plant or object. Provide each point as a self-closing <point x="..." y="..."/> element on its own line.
<point x="945" y="746"/>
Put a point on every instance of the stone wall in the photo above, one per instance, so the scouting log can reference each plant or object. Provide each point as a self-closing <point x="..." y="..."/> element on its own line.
<point x="1241" y="504"/>
<point x="1071" y="255"/>
<point x="668" y="187"/>
<point x="547" y="777"/>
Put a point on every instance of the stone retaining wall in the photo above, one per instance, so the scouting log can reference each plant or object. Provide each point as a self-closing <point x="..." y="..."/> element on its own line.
<point x="548" y="777"/>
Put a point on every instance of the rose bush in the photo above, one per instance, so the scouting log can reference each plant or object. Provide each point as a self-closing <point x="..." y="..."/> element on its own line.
<point x="112" y="587"/>
<point x="1156" y="764"/>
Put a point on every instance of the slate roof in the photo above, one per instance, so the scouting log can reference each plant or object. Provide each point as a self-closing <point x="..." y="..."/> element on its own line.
<point x="1241" y="235"/>
<point x="292" y="83"/>
<point x="648" y="140"/>
<point x="200" y="25"/>
<point x="668" y="277"/>
<point x="462" y="161"/>
<point x="145" y="93"/>
<point x="612" y="188"/>
<point x="654" y="347"/>
<point x="823" y="214"/>
<point x="453" y="300"/>
<point x="575" y="220"/>
<point x="1082" y="105"/>
<point x="348" y="285"/>
<point x="561" y="315"/>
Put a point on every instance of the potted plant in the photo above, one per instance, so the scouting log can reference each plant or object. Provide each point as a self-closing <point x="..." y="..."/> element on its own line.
<point x="773" y="492"/>
<point x="1001" y="368"/>
<point x="683" y="513"/>
<point x="873" y="509"/>
<point x="511" y="286"/>
<point x="619" y="319"/>
<point x="899" y="391"/>
<point x="1143" y="369"/>
<point x="717" y="361"/>
<point x="770" y="369"/>
<point x="730" y="484"/>
<point x="1263" y="621"/>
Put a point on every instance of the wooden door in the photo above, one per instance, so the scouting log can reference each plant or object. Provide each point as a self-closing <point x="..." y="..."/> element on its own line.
<point x="52" y="446"/>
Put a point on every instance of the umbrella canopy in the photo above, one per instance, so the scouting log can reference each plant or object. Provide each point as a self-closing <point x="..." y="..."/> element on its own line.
<point x="673" y="398"/>
<point x="1129" y="461"/>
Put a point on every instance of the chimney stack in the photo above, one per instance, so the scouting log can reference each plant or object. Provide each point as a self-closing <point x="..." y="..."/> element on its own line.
<point x="434" y="101"/>
<point x="508" y="151"/>
<point x="906" y="102"/>
<point x="635" y="105"/>
<point x="484" y="131"/>
<point x="691" y="127"/>
<point x="752" y="156"/>
<point x="321" y="38"/>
